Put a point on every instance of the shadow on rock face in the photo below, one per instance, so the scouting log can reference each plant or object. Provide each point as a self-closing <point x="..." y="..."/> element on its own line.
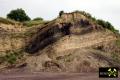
<point x="47" y="37"/>
<point x="51" y="34"/>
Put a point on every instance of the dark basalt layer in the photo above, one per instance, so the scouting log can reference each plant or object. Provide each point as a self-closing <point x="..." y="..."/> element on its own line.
<point x="48" y="37"/>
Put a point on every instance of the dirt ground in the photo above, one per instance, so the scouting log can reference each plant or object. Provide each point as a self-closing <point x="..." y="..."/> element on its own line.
<point x="52" y="76"/>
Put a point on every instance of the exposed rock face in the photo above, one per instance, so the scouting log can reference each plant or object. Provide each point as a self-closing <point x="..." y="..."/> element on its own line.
<point x="68" y="24"/>
<point x="12" y="28"/>
<point x="10" y="37"/>
<point x="71" y="43"/>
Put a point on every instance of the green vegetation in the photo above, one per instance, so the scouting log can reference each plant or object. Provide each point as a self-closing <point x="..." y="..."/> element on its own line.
<point x="107" y="25"/>
<point x="11" y="57"/>
<point x="38" y="19"/>
<point x="88" y="15"/>
<point x="18" y="15"/>
<point x="33" y="23"/>
<point x="7" y="21"/>
<point x="104" y="24"/>
<point x="25" y="23"/>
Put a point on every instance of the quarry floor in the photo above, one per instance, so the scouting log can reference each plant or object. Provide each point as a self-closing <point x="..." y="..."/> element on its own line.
<point x="52" y="76"/>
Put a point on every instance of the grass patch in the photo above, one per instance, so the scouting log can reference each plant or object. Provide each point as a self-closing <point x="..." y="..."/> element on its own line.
<point x="26" y="23"/>
<point x="11" y="57"/>
<point x="8" y="21"/>
<point x="33" y="23"/>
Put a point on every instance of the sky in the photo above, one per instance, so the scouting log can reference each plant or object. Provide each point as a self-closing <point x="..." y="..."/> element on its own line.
<point x="108" y="10"/>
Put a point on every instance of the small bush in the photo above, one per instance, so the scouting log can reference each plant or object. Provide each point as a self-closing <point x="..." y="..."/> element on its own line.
<point x="60" y="13"/>
<point x="38" y="18"/>
<point x="107" y="25"/>
<point x="11" y="57"/>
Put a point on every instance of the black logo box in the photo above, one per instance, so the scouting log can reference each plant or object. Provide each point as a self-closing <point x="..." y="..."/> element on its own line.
<point x="103" y="72"/>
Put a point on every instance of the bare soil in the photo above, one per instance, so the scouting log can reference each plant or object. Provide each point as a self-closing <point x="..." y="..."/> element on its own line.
<point x="52" y="76"/>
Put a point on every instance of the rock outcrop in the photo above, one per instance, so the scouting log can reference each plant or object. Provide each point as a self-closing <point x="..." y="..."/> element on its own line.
<point x="73" y="42"/>
<point x="68" y="24"/>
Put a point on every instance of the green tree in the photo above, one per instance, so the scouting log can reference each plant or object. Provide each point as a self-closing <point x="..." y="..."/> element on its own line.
<point x="18" y="15"/>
